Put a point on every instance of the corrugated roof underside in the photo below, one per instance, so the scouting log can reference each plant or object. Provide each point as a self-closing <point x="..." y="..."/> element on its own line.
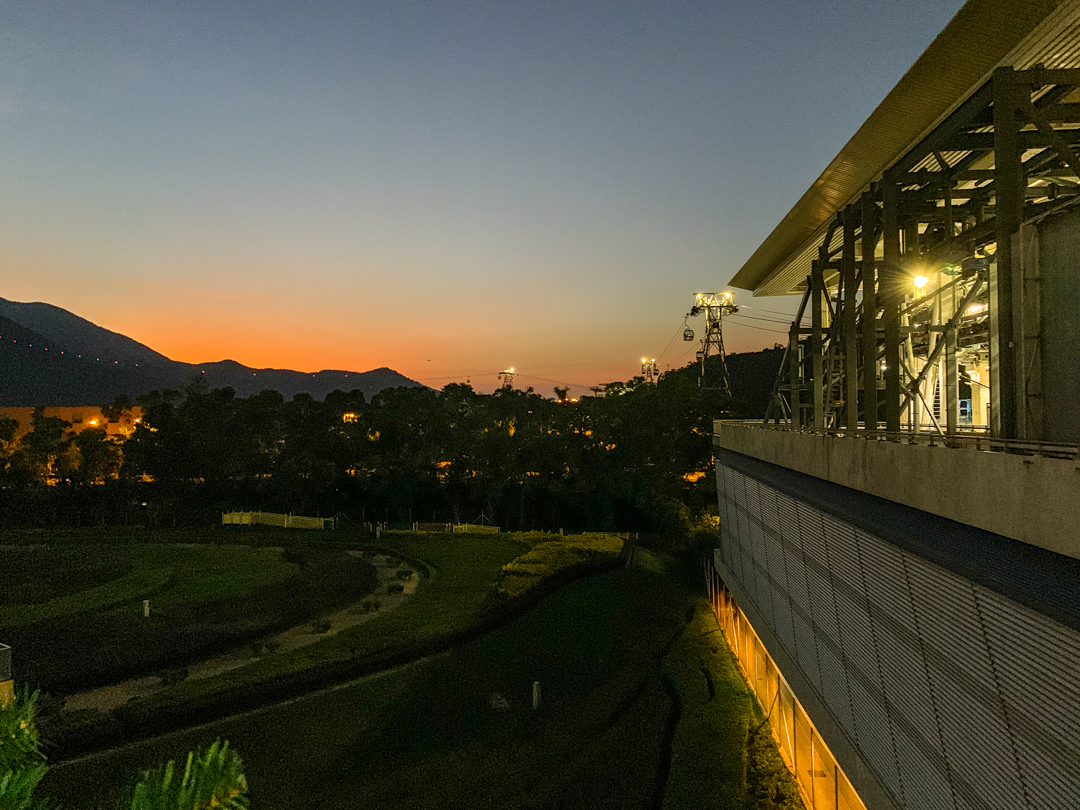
<point x="983" y="35"/>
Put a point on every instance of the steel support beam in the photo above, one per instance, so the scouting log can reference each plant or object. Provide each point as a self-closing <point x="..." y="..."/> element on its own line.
<point x="817" y="304"/>
<point x="1009" y="189"/>
<point x="892" y="290"/>
<point x="850" y="322"/>
<point x="869" y="313"/>
<point x="794" y="362"/>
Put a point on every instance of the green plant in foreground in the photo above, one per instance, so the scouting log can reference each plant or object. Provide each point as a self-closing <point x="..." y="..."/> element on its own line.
<point x="211" y="778"/>
<point x="22" y="765"/>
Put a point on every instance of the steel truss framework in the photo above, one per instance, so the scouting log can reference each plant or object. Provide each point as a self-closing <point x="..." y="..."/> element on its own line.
<point x="881" y="353"/>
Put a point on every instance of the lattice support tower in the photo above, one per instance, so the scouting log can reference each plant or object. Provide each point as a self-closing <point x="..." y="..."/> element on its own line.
<point x="648" y="370"/>
<point x="714" y="306"/>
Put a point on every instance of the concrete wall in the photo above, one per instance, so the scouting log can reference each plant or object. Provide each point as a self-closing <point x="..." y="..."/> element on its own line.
<point x="1029" y="498"/>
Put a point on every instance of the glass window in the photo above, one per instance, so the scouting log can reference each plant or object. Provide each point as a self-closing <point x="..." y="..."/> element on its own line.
<point x="847" y="799"/>
<point x="747" y="647"/>
<point x="824" y="771"/>
<point x="761" y="672"/>
<point x="804" y="759"/>
<point x="773" y="681"/>
<point x="785" y="726"/>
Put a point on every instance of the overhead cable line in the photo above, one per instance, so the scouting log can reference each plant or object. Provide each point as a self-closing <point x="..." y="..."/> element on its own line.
<point x="673" y="337"/>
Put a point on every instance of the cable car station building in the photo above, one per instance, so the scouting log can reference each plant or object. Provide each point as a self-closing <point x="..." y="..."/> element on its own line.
<point x="899" y="573"/>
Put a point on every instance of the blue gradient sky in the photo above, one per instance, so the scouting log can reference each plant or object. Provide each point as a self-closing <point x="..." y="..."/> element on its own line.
<point x="445" y="188"/>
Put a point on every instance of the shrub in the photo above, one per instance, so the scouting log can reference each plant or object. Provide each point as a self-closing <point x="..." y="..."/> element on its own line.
<point x="395" y="587"/>
<point x="551" y="556"/>
<point x="321" y="626"/>
<point x="405" y="573"/>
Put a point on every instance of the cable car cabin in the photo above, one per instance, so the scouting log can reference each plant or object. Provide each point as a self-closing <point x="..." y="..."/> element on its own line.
<point x="688" y="334"/>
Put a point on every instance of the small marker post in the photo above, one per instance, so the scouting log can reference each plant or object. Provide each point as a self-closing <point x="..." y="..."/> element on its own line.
<point x="146" y="608"/>
<point x="536" y="695"/>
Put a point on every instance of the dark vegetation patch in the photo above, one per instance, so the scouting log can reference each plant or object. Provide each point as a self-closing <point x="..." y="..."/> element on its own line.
<point x="31" y="575"/>
<point x="70" y="653"/>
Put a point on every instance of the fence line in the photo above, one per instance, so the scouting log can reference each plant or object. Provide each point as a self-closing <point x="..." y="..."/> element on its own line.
<point x="273" y="519"/>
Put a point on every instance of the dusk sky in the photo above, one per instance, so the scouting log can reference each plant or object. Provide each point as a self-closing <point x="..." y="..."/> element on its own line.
<point x="444" y="188"/>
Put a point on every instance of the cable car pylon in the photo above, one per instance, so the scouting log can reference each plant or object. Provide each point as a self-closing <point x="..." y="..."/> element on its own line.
<point x="714" y="306"/>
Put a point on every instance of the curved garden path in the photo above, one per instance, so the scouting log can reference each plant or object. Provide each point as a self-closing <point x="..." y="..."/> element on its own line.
<point x="108" y="697"/>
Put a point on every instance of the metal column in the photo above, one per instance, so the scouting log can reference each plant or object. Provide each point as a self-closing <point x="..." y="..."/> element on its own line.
<point x="817" y="303"/>
<point x="850" y="322"/>
<point x="869" y="313"/>
<point x="1009" y="191"/>
<point x="891" y="294"/>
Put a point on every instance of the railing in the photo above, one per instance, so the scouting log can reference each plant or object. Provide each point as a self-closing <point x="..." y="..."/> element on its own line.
<point x="474" y="528"/>
<point x="445" y="528"/>
<point x="968" y="440"/>
<point x="272" y="519"/>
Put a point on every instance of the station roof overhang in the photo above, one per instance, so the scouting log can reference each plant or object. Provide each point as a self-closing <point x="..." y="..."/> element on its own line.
<point x="984" y="35"/>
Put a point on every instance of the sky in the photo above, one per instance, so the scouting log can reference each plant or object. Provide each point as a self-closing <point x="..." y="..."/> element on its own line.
<point x="445" y="188"/>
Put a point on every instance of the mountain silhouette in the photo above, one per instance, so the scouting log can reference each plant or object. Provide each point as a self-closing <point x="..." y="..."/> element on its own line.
<point x="50" y="356"/>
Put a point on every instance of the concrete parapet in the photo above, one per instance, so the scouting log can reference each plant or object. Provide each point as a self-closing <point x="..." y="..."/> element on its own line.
<point x="1030" y="498"/>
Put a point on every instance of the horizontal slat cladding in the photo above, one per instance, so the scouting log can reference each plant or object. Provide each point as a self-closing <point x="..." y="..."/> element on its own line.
<point x="848" y="601"/>
<point x="729" y="523"/>
<point x="875" y="738"/>
<point x="1042" y="696"/>
<point x="955" y="695"/>
<point x="731" y="535"/>
<point x="852" y="609"/>
<point x="757" y="545"/>
<point x="926" y="786"/>
<point x="806" y="643"/>
<point x="834" y="687"/>
<point x="906" y="687"/>
<point x="974" y="732"/>
<point x="774" y="551"/>
<point x="747" y="575"/>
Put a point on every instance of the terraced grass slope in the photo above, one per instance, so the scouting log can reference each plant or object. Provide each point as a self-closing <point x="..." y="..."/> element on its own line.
<point x="73" y="610"/>
<point x="458" y="730"/>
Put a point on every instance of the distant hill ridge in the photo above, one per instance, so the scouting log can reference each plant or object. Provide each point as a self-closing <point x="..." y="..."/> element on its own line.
<point x="50" y="356"/>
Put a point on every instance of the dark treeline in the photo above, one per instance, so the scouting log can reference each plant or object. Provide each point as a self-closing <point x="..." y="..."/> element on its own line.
<point x="636" y="459"/>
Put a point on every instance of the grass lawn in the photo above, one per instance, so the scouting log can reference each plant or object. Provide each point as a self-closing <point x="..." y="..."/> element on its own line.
<point x="464" y="570"/>
<point x="458" y="730"/>
<point x="72" y="607"/>
<point x="598" y="739"/>
<point x="49" y="582"/>
<point x="429" y="735"/>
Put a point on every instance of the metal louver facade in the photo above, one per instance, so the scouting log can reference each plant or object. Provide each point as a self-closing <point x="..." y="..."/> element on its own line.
<point x="943" y="692"/>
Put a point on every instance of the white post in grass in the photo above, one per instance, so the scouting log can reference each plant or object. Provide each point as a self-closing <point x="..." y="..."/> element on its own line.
<point x="146" y="608"/>
<point x="536" y="695"/>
